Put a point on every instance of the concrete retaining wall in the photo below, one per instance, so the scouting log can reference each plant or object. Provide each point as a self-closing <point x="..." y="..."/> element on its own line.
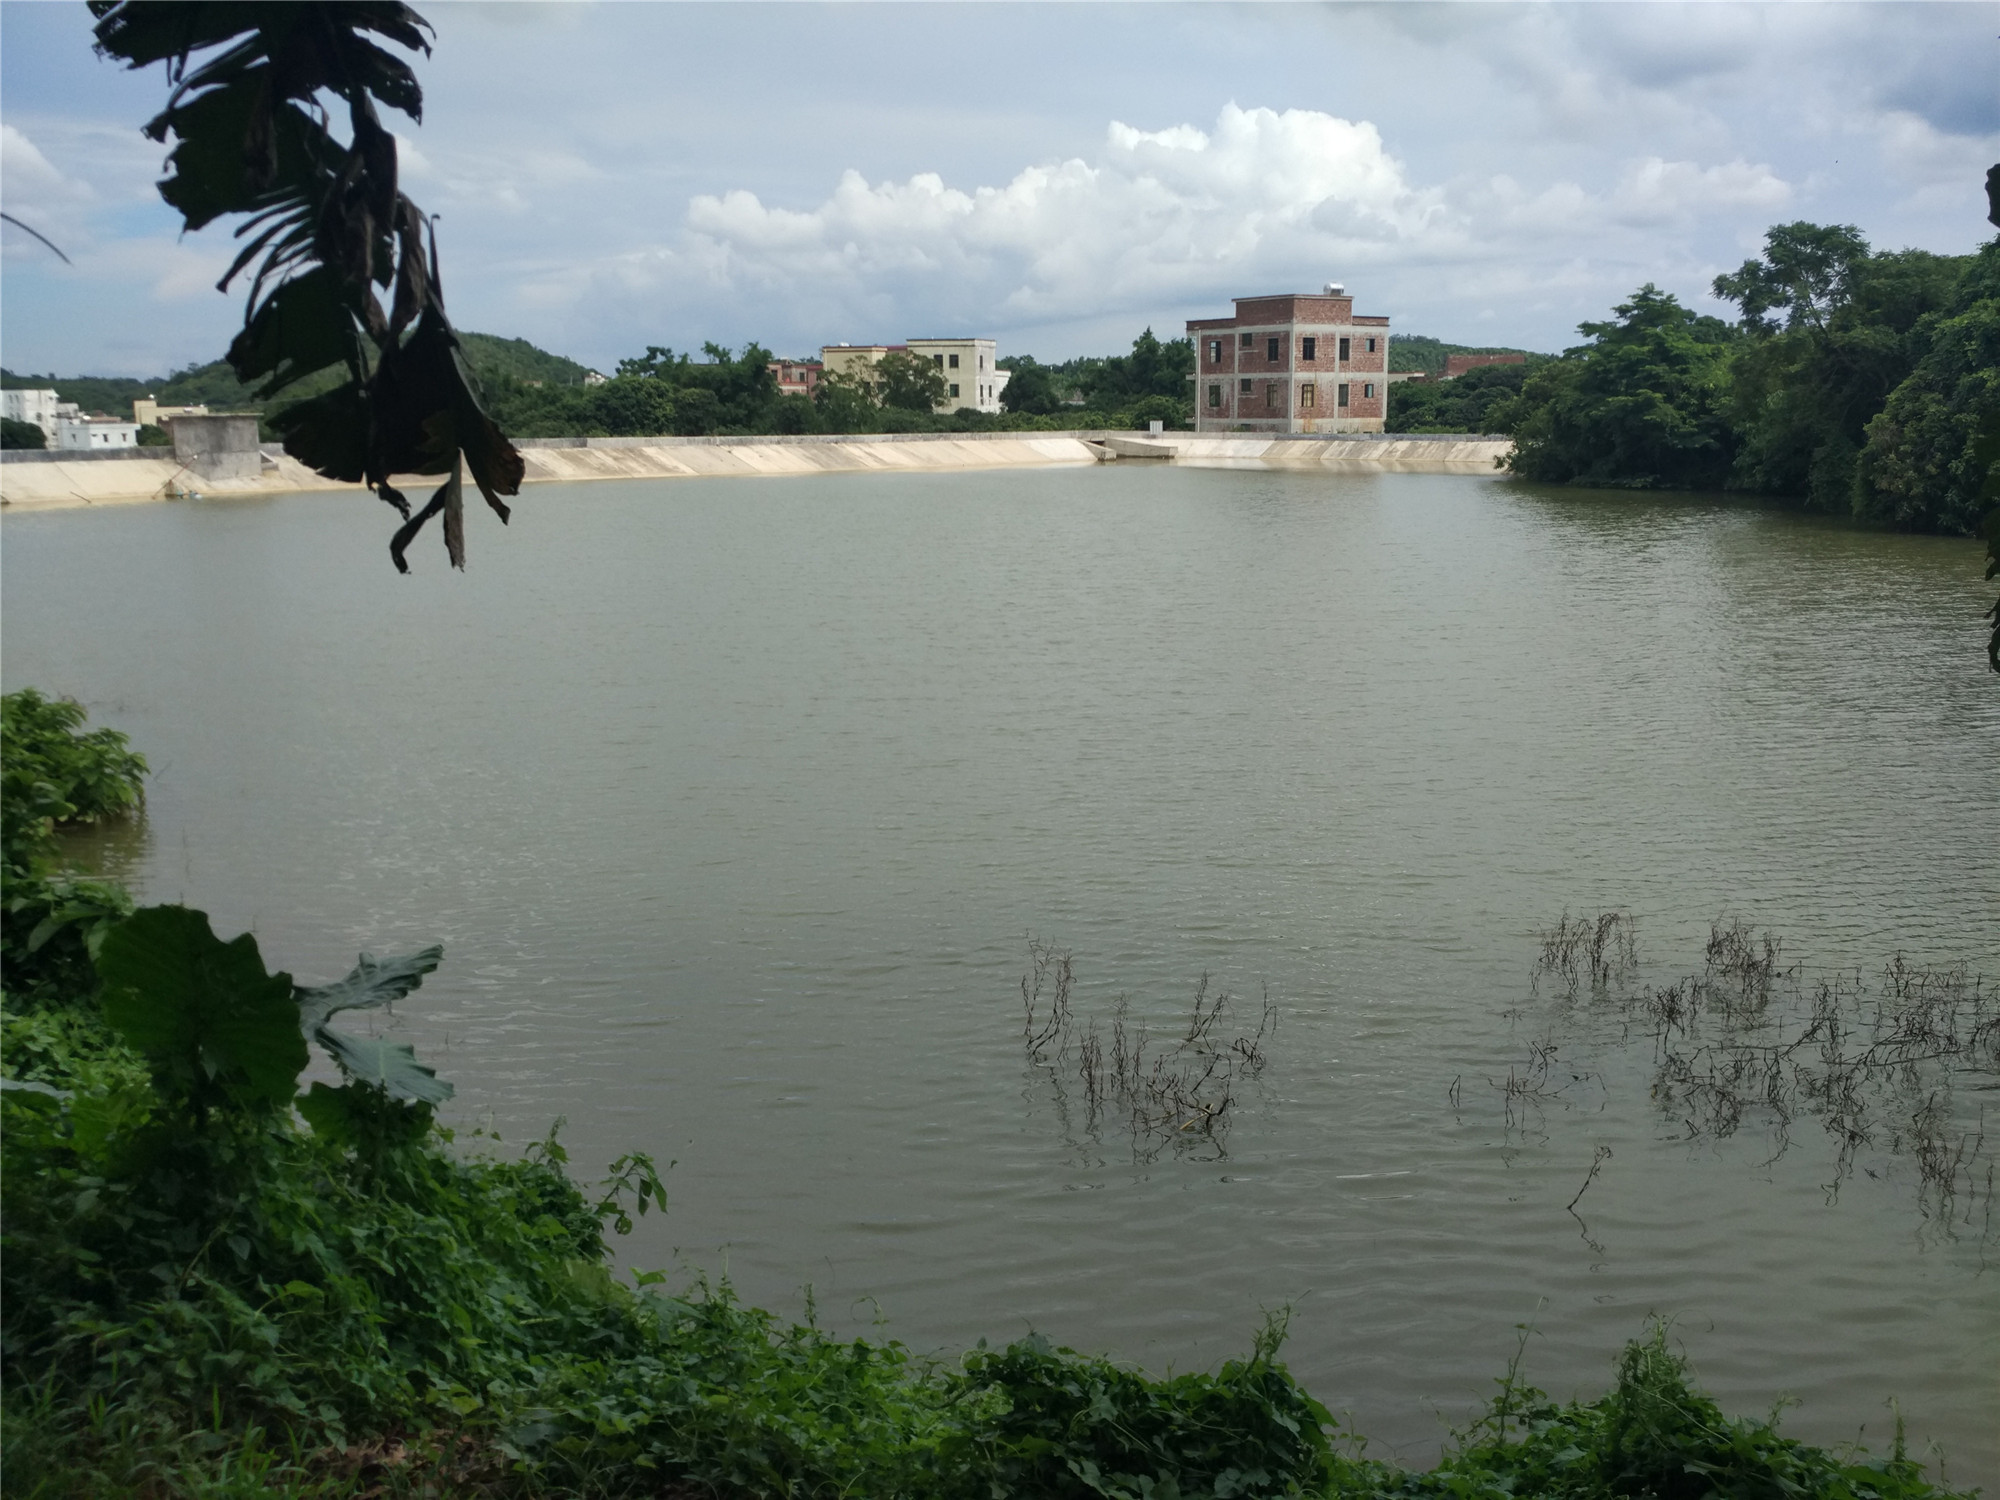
<point x="217" y="446"/>
<point x="50" y="482"/>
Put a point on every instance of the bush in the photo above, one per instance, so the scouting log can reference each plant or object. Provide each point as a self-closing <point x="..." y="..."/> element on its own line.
<point x="15" y="434"/>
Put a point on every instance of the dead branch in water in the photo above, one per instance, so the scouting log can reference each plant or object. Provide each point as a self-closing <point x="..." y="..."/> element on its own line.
<point x="1165" y="1096"/>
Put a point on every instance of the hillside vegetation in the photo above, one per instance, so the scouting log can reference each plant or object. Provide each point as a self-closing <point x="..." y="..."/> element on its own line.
<point x="215" y="385"/>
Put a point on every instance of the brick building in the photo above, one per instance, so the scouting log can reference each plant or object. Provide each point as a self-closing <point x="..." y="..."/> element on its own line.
<point x="796" y="377"/>
<point x="1294" y="362"/>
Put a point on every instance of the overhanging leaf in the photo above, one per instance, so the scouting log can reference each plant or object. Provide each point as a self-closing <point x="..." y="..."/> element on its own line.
<point x="303" y="326"/>
<point x="371" y="983"/>
<point x="205" y="1013"/>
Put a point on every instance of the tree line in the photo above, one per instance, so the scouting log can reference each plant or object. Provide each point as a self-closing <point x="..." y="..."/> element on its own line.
<point x="1853" y="381"/>
<point x="734" y="393"/>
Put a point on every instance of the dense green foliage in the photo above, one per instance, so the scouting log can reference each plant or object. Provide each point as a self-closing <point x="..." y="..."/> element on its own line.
<point x="1927" y="464"/>
<point x="1856" y="382"/>
<point x="1642" y="406"/>
<point x="1155" y="379"/>
<point x="1652" y="1437"/>
<point x="50" y="920"/>
<point x="15" y="434"/>
<point x="213" y="1285"/>
<point x="1480" y="400"/>
<point x="1804" y="385"/>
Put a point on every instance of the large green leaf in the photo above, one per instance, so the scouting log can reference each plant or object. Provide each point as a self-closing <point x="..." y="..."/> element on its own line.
<point x="389" y="1066"/>
<point x="372" y="982"/>
<point x="204" y="1012"/>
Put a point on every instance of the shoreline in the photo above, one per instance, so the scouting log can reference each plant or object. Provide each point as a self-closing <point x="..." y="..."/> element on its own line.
<point x="58" y="483"/>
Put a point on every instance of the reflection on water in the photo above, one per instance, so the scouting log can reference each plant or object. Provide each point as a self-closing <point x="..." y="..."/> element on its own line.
<point x="738" y="805"/>
<point x="118" y="850"/>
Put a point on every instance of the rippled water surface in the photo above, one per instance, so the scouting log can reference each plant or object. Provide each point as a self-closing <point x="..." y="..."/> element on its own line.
<point x="736" y="804"/>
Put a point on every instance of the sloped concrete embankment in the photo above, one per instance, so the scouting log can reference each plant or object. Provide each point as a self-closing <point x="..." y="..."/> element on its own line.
<point x="551" y="460"/>
<point x="49" y="481"/>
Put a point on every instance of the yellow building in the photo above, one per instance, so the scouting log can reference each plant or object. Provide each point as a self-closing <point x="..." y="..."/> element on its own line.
<point x="854" y="361"/>
<point x="149" y="413"/>
<point x="971" y="377"/>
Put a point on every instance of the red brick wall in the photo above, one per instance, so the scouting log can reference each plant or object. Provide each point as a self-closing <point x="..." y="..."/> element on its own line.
<point x="1458" y="364"/>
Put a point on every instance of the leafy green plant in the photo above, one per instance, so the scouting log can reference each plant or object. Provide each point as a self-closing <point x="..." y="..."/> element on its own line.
<point x="1054" y="1423"/>
<point x="52" y="772"/>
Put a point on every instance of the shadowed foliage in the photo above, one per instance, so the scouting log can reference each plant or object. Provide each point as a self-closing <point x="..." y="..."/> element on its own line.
<point x="254" y="137"/>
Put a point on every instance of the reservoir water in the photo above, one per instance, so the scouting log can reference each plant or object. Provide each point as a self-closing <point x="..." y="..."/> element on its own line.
<point x="737" y="805"/>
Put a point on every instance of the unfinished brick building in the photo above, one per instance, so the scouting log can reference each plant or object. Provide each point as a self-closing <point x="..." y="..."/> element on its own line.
<point x="1295" y="362"/>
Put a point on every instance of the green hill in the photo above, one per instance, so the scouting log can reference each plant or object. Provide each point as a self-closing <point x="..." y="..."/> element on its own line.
<point x="494" y="360"/>
<point x="1414" y="351"/>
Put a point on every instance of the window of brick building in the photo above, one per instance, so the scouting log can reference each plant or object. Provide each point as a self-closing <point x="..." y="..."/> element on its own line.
<point x="1308" y="396"/>
<point x="1271" y="350"/>
<point x="1340" y="395"/>
<point x="1249" y="341"/>
<point x="1245" y="387"/>
<point x="1308" y="349"/>
<point x="1215" y="395"/>
<point x="1346" y="346"/>
<point x="1271" y="394"/>
<point x="1368" y="390"/>
<point x="1215" y="351"/>
<point x="1371" y="346"/>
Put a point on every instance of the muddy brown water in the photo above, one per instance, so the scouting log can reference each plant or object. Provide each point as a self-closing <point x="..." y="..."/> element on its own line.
<point x="736" y="804"/>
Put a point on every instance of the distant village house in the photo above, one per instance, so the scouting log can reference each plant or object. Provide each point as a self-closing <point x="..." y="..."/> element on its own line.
<point x="38" y="407"/>
<point x="96" y="434"/>
<point x="972" y="376"/>
<point x="64" y="425"/>
<point x="149" y="413"/>
<point x="796" y="377"/>
<point x="1291" y="362"/>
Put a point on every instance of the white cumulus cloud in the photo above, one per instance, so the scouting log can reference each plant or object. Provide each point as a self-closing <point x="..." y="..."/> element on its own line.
<point x="1158" y="212"/>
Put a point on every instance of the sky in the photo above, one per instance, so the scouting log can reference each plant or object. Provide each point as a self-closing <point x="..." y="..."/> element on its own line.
<point x="1053" y="176"/>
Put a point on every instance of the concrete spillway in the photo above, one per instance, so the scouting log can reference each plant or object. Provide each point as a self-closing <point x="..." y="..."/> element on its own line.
<point x="50" y="481"/>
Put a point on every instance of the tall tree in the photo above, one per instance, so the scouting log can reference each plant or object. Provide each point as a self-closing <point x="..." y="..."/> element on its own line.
<point x="911" y="382"/>
<point x="1805" y="385"/>
<point x="254" y="136"/>
<point x="1641" y="406"/>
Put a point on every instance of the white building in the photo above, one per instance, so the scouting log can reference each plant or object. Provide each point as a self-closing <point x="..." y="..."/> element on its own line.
<point x="95" y="434"/>
<point x="971" y="378"/>
<point x="40" y="407"/>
